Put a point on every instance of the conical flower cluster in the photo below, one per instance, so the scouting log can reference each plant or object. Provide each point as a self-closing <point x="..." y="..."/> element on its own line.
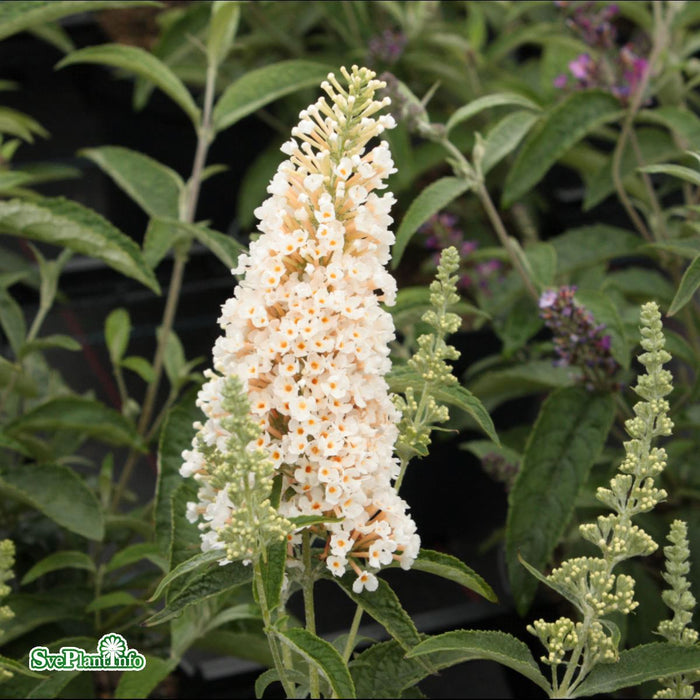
<point x="308" y="339"/>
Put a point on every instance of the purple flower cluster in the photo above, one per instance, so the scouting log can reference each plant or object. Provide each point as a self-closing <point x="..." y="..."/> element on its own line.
<point x="386" y="47"/>
<point x="442" y="231"/>
<point x="616" y="69"/>
<point x="578" y="340"/>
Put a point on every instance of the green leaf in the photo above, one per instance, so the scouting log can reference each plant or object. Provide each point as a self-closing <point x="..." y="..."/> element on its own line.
<point x="451" y="568"/>
<point x="384" y="606"/>
<point x="116" y="599"/>
<point x="682" y="122"/>
<point x="141" y="366"/>
<point x="32" y="610"/>
<point x="542" y="259"/>
<point x="401" y="377"/>
<point x="323" y="656"/>
<point x="13" y="375"/>
<point x="137" y="552"/>
<point x="382" y="671"/>
<point x="272" y="569"/>
<point x="567" y="438"/>
<point x="16" y="667"/>
<point x="259" y="87"/>
<point x="55" y="35"/>
<point x="505" y="137"/>
<point x="157" y="241"/>
<point x="143" y="64"/>
<point x="604" y="311"/>
<point x="226" y="248"/>
<point x="679" y="171"/>
<point x="18" y="124"/>
<point x="638" y="665"/>
<point x="79" y="415"/>
<point x="430" y="201"/>
<point x="184" y="535"/>
<point x="152" y="185"/>
<point x="688" y="286"/>
<point x="563" y="591"/>
<point x="20" y="16"/>
<point x="50" y="342"/>
<point x="589" y="245"/>
<point x="117" y="332"/>
<point x="487" y="102"/>
<point x="490" y="645"/>
<point x="683" y="247"/>
<point x="222" y="29"/>
<point x="141" y="684"/>
<point x="186" y="567"/>
<point x="208" y="584"/>
<point x="58" y="492"/>
<point x="271" y="676"/>
<point x="10" y="179"/>
<point x="559" y="129"/>
<point x="59" y="560"/>
<point x="64" y="223"/>
<point x="12" y="322"/>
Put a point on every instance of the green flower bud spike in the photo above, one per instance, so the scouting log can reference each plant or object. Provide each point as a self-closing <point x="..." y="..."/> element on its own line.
<point x="420" y="414"/>
<point x="589" y="582"/>
<point x="677" y="630"/>
<point x="7" y="560"/>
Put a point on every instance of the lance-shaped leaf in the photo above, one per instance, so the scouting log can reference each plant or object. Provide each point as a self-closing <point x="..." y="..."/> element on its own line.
<point x="58" y="492"/>
<point x="259" y="87"/>
<point x="12" y="321"/>
<point x="155" y="187"/>
<point x="568" y="436"/>
<point x="488" y="102"/>
<point x="430" y="201"/>
<point x="19" y="16"/>
<point x="188" y="566"/>
<point x="141" y="684"/>
<point x="559" y="129"/>
<point x="77" y="414"/>
<point x="272" y="569"/>
<point x="505" y="137"/>
<point x="494" y="646"/>
<point x="64" y="223"/>
<point x="56" y="561"/>
<point x="323" y="656"/>
<point x="640" y="664"/>
<point x="142" y="63"/>
<point x="688" y="286"/>
<point x="384" y="606"/>
<point x="208" y="584"/>
<point x="451" y="568"/>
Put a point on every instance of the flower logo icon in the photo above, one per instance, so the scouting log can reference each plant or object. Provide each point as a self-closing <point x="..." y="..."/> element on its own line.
<point x="112" y="646"/>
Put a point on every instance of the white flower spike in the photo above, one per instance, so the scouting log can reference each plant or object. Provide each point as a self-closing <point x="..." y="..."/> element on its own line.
<point x="306" y="336"/>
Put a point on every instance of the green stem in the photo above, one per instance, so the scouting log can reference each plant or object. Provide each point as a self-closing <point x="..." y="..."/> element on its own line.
<point x="465" y="170"/>
<point x="288" y="686"/>
<point x="352" y="634"/>
<point x="309" y="610"/>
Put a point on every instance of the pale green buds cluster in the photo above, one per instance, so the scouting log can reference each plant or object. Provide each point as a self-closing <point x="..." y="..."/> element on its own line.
<point x="237" y="478"/>
<point x="7" y="561"/>
<point x="430" y="361"/>
<point x="589" y="582"/>
<point x="682" y="602"/>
